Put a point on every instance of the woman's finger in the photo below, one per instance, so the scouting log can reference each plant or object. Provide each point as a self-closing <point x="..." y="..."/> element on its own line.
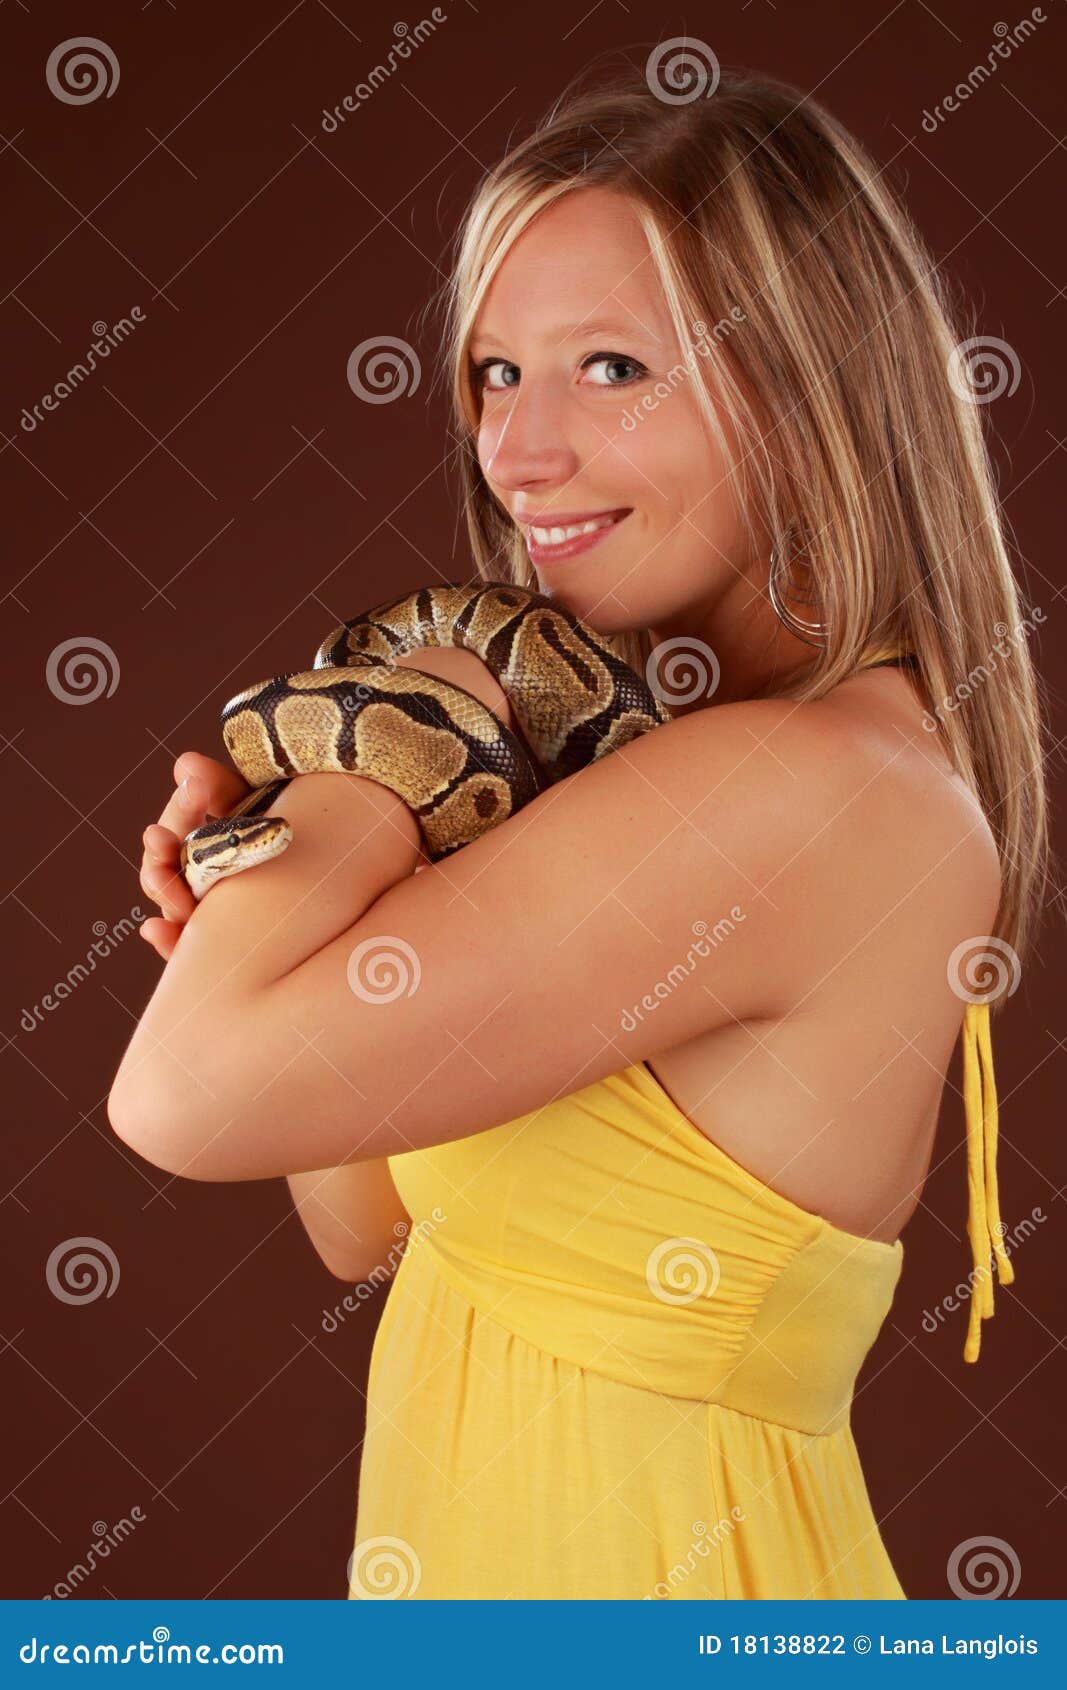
<point x="161" y="935"/>
<point x="201" y="785"/>
<point x="161" y="844"/>
<point x="161" y="876"/>
<point x="223" y="785"/>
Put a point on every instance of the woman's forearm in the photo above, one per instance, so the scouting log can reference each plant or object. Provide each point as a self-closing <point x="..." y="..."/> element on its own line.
<point x="353" y="1216"/>
<point x="354" y="840"/>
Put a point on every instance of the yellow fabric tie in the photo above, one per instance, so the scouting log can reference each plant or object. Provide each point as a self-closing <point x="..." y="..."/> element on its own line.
<point x="984" y="1226"/>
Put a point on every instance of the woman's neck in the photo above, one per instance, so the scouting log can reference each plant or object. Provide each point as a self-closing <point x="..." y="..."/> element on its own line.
<point x="743" y="635"/>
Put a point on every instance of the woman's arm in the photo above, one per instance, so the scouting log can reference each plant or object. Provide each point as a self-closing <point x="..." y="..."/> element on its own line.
<point x="350" y="1212"/>
<point x="622" y="912"/>
<point x="353" y="1216"/>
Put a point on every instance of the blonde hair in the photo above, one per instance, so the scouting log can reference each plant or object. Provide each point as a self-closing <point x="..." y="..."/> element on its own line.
<point x="843" y="381"/>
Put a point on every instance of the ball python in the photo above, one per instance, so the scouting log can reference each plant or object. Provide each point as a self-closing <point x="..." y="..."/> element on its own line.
<point x="451" y="759"/>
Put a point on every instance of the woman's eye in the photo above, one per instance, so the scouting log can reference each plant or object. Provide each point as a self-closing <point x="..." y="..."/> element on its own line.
<point x="498" y="366"/>
<point x="614" y="361"/>
<point x="613" y="369"/>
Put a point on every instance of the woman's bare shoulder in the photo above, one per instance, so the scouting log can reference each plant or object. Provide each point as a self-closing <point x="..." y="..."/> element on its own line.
<point x="923" y="840"/>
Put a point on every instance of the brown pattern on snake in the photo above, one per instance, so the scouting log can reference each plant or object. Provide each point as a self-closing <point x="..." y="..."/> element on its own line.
<point x="446" y="754"/>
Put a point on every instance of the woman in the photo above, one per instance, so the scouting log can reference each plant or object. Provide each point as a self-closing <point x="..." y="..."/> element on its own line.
<point x="658" y="1091"/>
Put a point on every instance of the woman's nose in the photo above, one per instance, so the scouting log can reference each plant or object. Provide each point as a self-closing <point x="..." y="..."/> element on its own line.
<point x="528" y="443"/>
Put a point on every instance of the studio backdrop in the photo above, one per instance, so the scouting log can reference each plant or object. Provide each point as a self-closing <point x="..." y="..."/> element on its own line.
<point x="227" y="427"/>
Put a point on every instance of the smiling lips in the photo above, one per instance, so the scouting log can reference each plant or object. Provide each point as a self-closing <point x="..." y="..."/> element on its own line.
<point x="567" y="532"/>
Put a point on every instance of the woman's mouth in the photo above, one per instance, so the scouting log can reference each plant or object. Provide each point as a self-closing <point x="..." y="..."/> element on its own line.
<point x="555" y="536"/>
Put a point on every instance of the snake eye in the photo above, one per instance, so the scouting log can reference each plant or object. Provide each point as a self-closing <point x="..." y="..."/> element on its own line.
<point x="233" y="842"/>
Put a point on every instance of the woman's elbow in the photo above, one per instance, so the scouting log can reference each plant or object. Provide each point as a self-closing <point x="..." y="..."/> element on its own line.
<point x="175" y="1098"/>
<point x="142" y="1114"/>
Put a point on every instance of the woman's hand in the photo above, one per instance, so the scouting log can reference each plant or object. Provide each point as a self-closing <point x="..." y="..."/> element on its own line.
<point x="202" y="785"/>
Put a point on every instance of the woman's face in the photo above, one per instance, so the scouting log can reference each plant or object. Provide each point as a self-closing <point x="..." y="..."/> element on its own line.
<point x="570" y="343"/>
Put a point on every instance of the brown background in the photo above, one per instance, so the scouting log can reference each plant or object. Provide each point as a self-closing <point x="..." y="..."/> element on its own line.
<point x="208" y="504"/>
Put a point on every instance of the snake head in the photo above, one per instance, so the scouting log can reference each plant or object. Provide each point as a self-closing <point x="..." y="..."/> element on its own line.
<point x="225" y="845"/>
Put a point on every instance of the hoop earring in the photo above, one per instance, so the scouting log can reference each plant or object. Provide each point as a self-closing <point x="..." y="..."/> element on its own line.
<point x="815" y="633"/>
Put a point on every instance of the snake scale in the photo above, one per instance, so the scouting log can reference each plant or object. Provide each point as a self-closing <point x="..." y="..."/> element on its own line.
<point x="451" y="759"/>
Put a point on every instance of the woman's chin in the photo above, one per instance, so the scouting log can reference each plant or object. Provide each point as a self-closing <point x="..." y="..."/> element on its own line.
<point x="593" y="606"/>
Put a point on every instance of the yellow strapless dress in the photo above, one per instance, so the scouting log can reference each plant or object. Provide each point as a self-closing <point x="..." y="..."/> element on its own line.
<point x="614" y="1363"/>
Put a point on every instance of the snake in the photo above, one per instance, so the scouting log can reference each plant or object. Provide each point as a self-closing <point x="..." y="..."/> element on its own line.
<point x="460" y="768"/>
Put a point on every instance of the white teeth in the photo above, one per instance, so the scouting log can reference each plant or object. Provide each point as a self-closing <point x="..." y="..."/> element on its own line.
<point x="556" y="536"/>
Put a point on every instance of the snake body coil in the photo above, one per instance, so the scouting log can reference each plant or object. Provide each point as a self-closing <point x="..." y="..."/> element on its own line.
<point x="443" y="751"/>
